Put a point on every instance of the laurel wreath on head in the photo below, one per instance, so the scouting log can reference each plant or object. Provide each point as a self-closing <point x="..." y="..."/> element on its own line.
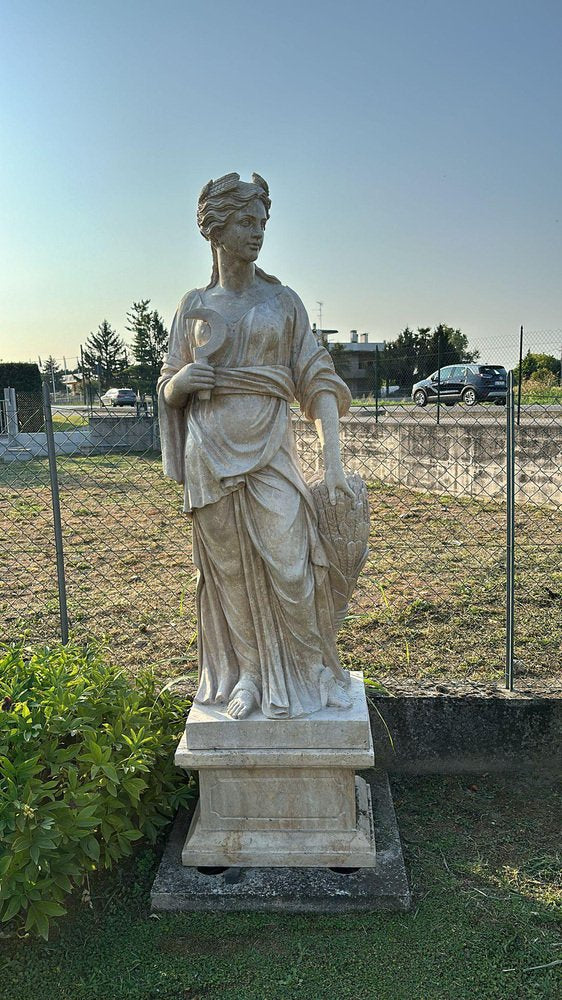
<point x="227" y="183"/>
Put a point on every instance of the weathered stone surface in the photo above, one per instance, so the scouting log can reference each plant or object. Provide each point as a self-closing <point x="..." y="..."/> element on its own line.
<point x="277" y="798"/>
<point x="444" y="734"/>
<point x="197" y="759"/>
<point x="281" y="806"/>
<point x="297" y="836"/>
<point x="292" y="890"/>
<point x="277" y="560"/>
<point x="210" y="727"/>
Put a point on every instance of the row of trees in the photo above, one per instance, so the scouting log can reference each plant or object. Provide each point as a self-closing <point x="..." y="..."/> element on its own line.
<point x="107" y="361"/>
<point x="414" y="354"/>
<point x="105" y="355"/>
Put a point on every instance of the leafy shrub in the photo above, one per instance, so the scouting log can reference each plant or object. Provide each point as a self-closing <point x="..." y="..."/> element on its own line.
<point x="541" y="377"/>
<point x="21" y="376"/>
<point x="86" y="769"/>
<point x="26" y="380"/>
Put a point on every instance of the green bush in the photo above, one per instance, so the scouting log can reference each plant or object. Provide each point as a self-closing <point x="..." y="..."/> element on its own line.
<point x="21" y="376"/>
<point x="86" y="769"/>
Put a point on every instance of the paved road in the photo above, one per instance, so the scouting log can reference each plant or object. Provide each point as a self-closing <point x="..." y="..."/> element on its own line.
<point x="98" y="411"/>
<point x="458" y="414"/>
<point x="396" y="413"/>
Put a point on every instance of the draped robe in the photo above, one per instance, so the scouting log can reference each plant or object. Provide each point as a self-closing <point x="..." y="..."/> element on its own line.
<point x="265" y="610"/>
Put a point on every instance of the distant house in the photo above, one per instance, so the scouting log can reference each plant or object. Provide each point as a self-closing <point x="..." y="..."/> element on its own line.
<point x="354" y="361"/>
<point x="72" y="383"/>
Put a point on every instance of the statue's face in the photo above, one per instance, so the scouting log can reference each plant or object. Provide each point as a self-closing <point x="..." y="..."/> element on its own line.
<point x="242" y="236"/>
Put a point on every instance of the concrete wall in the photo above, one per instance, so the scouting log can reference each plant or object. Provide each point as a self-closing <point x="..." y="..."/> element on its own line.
<point x="448" y="734"/>
<point x="464" y="458"/>
<point x="124" y="434"/>
<point x="100" y="436"/>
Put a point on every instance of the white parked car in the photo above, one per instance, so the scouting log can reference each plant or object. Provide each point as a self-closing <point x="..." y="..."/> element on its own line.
<point x="119" y="397"/>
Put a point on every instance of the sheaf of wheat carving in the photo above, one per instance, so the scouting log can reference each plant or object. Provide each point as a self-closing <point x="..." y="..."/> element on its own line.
<point x="344" y="531"/>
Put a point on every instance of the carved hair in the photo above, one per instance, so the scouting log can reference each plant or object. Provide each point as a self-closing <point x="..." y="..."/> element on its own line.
<point x="218" y="201"/>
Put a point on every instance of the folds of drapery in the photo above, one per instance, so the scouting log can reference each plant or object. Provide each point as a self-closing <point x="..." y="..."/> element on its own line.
<point x="302" y="370"/>
<point x="265" y="609"/>
<point x="266" y="612"/>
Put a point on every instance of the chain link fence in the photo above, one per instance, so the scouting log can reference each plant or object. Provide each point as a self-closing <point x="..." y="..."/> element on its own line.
<point x="433" y="603"/>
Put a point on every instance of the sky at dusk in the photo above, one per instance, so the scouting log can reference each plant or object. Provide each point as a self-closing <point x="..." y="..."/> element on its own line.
<point x="412" y="148"/>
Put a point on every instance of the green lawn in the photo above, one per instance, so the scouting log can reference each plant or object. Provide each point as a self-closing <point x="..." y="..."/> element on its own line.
<point x="481" y="853"/>
<point x="543" y="397"/>
<point x="69" y="421"/>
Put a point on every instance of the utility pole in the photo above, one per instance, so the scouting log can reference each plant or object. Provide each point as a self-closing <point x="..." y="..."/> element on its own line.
<point x="83" y="373"/>
<point x="319" y="304"/>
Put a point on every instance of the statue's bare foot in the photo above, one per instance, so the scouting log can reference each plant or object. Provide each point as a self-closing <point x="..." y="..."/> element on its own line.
<point x="242" y="704"/>
<point x="337" y="698"/>
<point x="332" y="693"/>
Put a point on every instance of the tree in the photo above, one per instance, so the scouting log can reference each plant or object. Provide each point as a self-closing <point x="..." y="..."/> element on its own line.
<point x="150" y="343"/>
<point x="105" y="355"/>
<point x="415" y="355"/>
<point x="339" y="357"/>
<point x="535" y="363"/>
<point x="459" y="342"/>
<point x="400" y="359"/>
<point x="51" y="373"/>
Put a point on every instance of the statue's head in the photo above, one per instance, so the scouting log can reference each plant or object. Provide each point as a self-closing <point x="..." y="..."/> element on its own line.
<point x="223" y="202"/>
<point x="222" y="198"/>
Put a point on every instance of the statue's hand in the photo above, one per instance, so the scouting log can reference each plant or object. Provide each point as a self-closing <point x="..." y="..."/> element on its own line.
<point x="194" y="377"/>
<point x="334" y="477"/>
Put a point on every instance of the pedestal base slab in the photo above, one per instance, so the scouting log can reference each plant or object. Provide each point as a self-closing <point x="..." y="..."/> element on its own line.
<point x="291" y="890"/>
<point x="281" y="848"/>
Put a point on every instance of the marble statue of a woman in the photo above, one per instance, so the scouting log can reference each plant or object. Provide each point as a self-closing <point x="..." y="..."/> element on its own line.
<point x="241" y="350"/>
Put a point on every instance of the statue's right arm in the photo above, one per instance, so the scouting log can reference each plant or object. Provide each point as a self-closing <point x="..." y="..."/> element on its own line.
<point x="191" y="378"/>
<point x="181" y="376"/>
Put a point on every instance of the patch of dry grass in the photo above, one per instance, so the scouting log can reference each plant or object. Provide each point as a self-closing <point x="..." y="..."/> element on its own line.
<point x="430" y="606"/>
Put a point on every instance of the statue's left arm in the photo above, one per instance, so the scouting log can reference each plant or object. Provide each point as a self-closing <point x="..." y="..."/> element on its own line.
<point x="322" y="394"/>
<point x="327" y="421"/>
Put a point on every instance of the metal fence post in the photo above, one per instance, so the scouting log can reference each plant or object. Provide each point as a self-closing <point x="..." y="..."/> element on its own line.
<point x="438" y="375"/>
<point x="61" y="580"/>
<point x="520" y="376"/>
<point x="510" y="532"/>
<point x="376" y="373"/>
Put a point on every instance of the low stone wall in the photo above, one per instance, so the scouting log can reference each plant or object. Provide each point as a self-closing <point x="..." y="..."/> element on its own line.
<point x="123" y="434"/>
<point x="25" y="446"/>
<point x="464" y="458"/>
<point x="448" y="734"/>
<point x="100" y="436"/>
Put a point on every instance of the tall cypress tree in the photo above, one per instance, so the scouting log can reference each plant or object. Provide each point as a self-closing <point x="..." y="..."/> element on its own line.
<point x="150" y="342"/>
<point x="104" y="355"/>
<point x="51" y="373"/>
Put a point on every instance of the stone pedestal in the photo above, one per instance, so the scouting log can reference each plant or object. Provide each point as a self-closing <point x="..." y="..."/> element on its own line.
<point x="280" y="793"/>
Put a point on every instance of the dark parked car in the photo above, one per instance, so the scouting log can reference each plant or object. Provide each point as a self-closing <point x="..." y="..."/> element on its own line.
<point x="464" y="383"/>
<point x="119" y="397"/>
